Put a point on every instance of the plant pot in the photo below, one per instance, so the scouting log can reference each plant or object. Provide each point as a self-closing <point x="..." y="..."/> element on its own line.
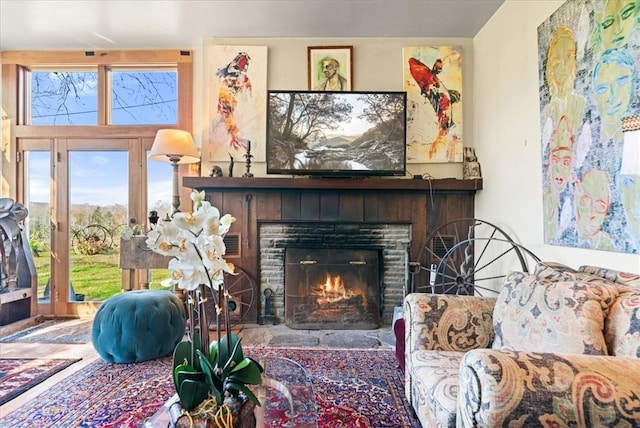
<point x="245" y="418"/>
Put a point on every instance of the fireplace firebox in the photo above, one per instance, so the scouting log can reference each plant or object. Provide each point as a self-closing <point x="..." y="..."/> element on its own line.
<point x="332" y="288"/>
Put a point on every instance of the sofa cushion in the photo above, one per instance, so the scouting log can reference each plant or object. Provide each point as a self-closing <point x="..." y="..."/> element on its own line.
<point x="435" y="386"/>
<point x="533" y="314"/>
<point x="622" y="326"/>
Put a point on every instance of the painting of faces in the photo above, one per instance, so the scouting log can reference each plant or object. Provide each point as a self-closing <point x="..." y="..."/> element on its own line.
<point x="588" y="55"/>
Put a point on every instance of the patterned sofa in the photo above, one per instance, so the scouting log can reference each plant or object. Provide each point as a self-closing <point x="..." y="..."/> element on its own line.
<point x="557" y="348"/>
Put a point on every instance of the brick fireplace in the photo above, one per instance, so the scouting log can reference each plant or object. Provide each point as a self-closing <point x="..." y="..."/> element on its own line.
<point x="391" y="241"/>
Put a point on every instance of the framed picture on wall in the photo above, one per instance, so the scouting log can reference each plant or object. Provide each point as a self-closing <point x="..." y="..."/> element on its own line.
<point x="330" y="68"/>
<point x="432" y="77"/>
<point x="235" y="96"/>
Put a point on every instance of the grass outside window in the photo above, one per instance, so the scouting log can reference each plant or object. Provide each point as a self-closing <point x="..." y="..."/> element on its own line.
<point x="97" y="276"/>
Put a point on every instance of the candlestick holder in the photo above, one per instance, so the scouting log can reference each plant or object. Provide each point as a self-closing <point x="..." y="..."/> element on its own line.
<point x="248" y="156"/>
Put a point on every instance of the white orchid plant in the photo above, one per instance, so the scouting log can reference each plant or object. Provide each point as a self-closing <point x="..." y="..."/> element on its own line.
<point x="196" y="243"/>
<point x="204" y="374"/>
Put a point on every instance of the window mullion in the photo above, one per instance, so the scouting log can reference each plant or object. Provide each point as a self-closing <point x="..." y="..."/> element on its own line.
<point x="104" y="101"/>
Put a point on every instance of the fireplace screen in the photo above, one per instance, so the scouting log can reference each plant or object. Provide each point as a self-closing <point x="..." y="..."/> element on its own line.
<point x="332" y="289"/>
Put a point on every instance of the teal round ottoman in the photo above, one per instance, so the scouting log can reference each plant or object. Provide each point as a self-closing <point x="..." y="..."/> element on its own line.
<point x="138" y="325"/>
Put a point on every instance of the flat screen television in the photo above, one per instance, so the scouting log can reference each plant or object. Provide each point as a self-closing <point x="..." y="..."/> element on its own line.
<point x="336" y="134"/>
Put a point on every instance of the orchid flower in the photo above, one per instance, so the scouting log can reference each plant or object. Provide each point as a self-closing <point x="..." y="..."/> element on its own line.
<point x="195" y="241"/>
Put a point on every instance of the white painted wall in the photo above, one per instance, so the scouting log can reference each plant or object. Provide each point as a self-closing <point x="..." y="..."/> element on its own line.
<point x="377" y="66"/>
<point x="507" y="132"/>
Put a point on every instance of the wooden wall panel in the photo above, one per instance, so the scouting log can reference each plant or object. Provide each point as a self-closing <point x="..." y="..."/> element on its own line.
<point x="371" y="206"/>
<point x="268" y="206"/>
<point x="291" y="206"/>
<point x="215" y="199"/>
<point x="351" y="207"/>
<point x="330" y="207"/>
<point x="309" y="206"/>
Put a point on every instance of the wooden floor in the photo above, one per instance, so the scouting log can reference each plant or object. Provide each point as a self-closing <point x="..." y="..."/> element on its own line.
<point x="36" y="350"/>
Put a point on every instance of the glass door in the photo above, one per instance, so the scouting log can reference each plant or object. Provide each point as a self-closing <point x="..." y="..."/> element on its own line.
<point x="80" y="197"/>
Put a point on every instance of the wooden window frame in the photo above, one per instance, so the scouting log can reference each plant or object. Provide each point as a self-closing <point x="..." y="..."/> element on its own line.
<point x="15" y="68"/>
<point x="16" y="65"/>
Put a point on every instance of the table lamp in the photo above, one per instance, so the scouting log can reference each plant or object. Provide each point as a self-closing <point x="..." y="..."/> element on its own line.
<point x="175" y="146"/>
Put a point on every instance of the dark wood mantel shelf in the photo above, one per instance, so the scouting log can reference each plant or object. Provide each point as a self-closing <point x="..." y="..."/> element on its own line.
<point x="380" y="184"/>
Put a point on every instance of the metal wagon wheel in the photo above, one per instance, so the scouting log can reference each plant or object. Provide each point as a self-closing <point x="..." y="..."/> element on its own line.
<point x="91" y="239"/>
<point x="240" y="288"/>
<point x="429" y="273"/>
<point x="461" y="273"/>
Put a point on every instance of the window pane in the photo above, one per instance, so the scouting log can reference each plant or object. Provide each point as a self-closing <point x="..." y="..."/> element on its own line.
<point x="64" y="98"/>
<point x="144" y="97"/>
<point x="37" y="223"/>
<point x="98" y="200"/>
<point x="159" y="187"/>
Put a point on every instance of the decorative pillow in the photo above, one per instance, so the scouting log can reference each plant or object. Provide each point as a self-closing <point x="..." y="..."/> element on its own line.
<point x="553" y="271"/>
<point x="629" y="279"/>
<point x="622" y="326"/>
<point x="539" y="315"/>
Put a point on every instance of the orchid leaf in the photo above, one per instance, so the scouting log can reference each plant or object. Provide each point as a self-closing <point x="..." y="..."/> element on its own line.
<point x="218" y="395"/>
<point x="239" y="386"/>
<point x="185" y="375"/>
<point x="176" y="374"/>
<point x="236" y="357"/>
<point x="192" y="393"/>
<point x="182" y="353"/>
<point x="213" y="352"/>
<point x="223" y="351"/>
<point x="247" y="371"/>
<point x="205" y="365"/>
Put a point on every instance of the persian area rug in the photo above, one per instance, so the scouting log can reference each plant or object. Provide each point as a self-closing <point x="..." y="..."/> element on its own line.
<point x="99" y="395"/>
<point x="17" y="375"/>
<point x="353" y="388"/>
<point x="54" y="331"/>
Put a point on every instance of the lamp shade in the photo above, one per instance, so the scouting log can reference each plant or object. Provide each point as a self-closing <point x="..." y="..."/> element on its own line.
<point x="174" y="145"/>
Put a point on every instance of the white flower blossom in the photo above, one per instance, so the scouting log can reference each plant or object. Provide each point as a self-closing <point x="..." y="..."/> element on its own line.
<point x="195" y="241"/>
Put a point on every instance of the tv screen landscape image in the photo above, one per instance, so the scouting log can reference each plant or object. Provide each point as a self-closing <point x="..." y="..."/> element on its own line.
<point x="319" y="133"/>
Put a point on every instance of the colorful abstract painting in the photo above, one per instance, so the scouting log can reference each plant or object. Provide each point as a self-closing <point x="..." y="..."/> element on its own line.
<point x="236" y="91"/>
<point x="432" y="77"/>
<point x="588" y="54"/>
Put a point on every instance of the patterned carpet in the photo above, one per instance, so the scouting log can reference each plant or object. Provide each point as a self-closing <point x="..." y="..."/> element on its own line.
<point x="17" y="375"/>
<point x="54" y="331"/>
<point x="353" y="388"/>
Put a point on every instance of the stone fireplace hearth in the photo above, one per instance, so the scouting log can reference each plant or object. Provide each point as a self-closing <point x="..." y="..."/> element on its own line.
<point x="391" y="241"/>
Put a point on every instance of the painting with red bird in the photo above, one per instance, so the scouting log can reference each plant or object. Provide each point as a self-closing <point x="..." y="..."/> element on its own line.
<point x="432" y="77"/>
<point x="236" y="90"/>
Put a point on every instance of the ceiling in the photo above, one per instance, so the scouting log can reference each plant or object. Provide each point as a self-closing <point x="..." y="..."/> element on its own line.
<point x="154" y="24"/>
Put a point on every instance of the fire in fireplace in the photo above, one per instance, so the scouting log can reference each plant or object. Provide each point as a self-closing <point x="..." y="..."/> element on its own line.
<point x="332" y="288"/>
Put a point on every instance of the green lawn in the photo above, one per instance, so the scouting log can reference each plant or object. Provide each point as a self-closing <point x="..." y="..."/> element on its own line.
<point x="96" y="276"/>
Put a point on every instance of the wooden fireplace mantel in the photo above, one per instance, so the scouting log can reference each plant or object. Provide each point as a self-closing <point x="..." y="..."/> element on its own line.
<point x="421" y="203"/>
<point x="374" y="184"/>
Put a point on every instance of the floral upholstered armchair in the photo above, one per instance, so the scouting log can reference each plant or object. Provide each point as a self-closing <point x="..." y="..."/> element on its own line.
<point x="556" y="348"/>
